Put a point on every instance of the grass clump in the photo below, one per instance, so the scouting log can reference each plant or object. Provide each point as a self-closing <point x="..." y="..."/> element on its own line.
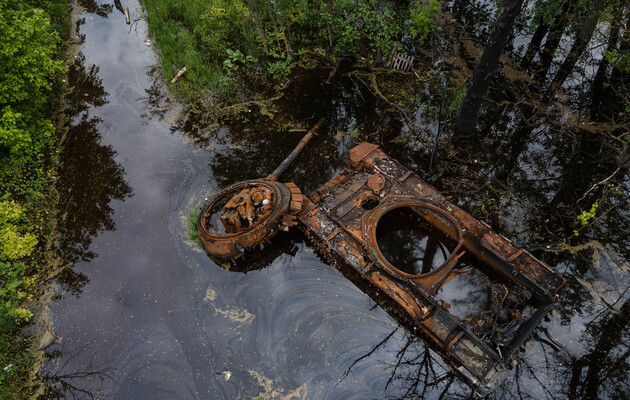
<point x="197" y="34"/>
<point x="193" y="216"/>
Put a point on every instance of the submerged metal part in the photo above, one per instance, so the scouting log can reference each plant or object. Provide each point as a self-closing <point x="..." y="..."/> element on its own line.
<point x="342" y="220"/>
<point x="343" y="226"/>
<point x="252" y="212"/>
<point x="230" y="243"/>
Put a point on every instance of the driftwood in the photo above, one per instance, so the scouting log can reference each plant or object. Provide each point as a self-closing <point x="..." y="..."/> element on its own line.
<point x="127" y="18"/>
<point x="178" y="75"/>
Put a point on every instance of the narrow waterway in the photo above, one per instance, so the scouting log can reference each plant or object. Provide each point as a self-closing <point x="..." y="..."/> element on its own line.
<point x="143" y="313"/>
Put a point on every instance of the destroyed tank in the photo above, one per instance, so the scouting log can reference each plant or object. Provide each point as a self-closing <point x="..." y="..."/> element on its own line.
<point x="349" y="219"/>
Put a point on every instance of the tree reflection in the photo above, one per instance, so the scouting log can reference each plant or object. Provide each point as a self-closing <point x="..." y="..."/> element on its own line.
<point x="605" y="369"/>
<point x="256" y="144"/>
<point x="85" y="383"/>
<point x="93" y="7"/>
<point x="89" y="179"/>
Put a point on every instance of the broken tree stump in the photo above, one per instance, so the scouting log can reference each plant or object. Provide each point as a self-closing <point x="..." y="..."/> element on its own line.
<point x="127" y="18"/>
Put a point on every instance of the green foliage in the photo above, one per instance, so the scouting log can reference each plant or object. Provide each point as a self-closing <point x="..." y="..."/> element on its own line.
<point x="235" y="60"/>
<point x="27" y="46"/>
<point x="612" y="188"/>
<point x="423" y="19"/>
<point x="198" y="34"/>
<point x="29" y="65"/>
<point x="217" y="39"/>
<point x="193" y="216"/>
<point x="452" y="103"/>
<point x="281" y="68"/>
<point x="621" y="61"/>
<point x="455" y="98"/>
<point x="13" y="244"/>
<point x="586" y="216"/>
<point x="352" y="20"/>
<point x="544" y="12"/>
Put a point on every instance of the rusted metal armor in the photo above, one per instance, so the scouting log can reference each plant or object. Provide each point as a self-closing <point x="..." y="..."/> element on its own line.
<point x="342" y="219"/>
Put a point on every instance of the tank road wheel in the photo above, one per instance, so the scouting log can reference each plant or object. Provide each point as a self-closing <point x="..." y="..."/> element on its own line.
<point x="243" y="216"/>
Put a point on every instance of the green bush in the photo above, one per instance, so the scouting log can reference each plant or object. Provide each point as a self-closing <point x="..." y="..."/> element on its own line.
<point x="352" y="20"/>
<point x="280" y="68"/>
<point x="423" y="19"/>
<point x="29" y="65"/>
<point x="27" y="47"/>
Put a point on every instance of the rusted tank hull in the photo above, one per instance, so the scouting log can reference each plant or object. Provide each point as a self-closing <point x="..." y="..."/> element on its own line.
<point x="347" y="220"/>
<point x="342" y="217"/>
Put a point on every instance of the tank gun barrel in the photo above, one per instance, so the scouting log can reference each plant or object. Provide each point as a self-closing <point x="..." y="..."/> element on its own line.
<point x="287" y="161"/>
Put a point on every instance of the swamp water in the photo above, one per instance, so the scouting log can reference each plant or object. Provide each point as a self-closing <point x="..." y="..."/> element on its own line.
<point x="143" y="313"/>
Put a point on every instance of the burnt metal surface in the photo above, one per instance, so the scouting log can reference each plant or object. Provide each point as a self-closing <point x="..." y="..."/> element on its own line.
<point x="249" y="213"/>
<point x="348" y="219"/>
<point x="342" y="218"/>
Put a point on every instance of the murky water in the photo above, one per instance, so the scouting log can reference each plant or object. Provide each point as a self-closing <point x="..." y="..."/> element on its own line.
<point x="410" y="244"/>
<point x="142" y="313"/>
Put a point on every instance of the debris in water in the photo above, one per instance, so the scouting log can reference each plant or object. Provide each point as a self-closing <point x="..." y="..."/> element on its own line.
<point x="346" y="219"/>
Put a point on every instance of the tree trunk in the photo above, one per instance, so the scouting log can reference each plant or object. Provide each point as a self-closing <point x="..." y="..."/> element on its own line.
<point x="546" y="58"/>
<point x="619" y="79"/>
<point x="534" y="45"/>
<point x="553" y="40"/>
<point x="600" y="88"/>
<point x="612" y="331"/>
<point x="487" y="66"/>
<point x="282" y="30"/>
<point x="582" y="40"/>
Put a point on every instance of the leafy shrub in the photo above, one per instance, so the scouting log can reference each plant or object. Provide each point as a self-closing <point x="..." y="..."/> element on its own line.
<point x="27" y="47"/>
<point x="235" y="60"/>
<point x="352" y="20"/>
<point x="280" y="68"/>
<point x="14" y="245"/>
<point x="422" y="19"/>
<point x="29" y="64"/>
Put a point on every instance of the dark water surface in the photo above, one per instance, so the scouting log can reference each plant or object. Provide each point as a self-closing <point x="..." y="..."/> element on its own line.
<point x="145" y="314"/>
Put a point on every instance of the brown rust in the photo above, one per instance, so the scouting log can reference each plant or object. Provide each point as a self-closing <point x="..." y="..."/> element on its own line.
<point x="341" y="220"/>
<point x="252" y="212"/>
<point x="342" y="217"/>
<point x="287" y="161"/>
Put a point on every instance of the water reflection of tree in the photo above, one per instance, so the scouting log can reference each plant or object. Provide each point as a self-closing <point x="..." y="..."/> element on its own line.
<point x="606" y="368"/>
<point x="416" y="371"/>
<point x="93" y="7"/>
<point x="86" y="382"/>
<point x="601" y="373"/>
<point x="86" y="87"/>
<point x="89" y="178"/>
<point x="256" y="144"/>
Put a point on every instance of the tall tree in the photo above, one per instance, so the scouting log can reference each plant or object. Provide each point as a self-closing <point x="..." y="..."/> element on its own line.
<point x="602" y="95"/>
<point x="487" y="66"/>
<point x="553" y="39"/>
<point x="546" y="13"/>
<point x="583" y="38"/>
